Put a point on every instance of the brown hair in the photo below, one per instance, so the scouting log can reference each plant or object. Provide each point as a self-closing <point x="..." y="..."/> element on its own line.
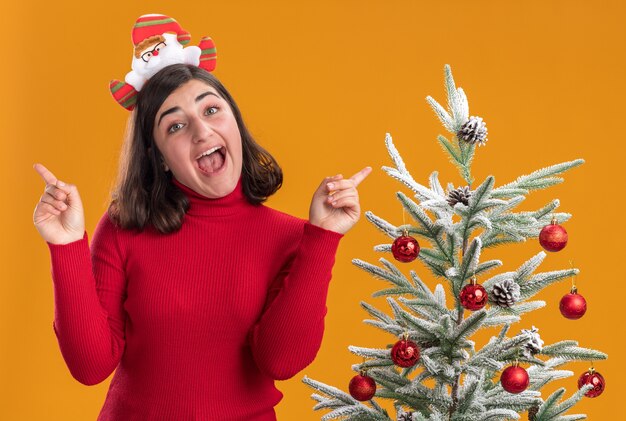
<point x="147" y="42"/>
<point x="144" y="194"/>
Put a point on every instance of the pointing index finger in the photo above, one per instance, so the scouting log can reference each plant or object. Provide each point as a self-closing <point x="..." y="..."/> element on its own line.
<point x="47" y="176"/>
<point x="360" y="176"/>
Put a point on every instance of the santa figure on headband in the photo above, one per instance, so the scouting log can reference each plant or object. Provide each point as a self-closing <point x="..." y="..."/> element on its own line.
<point x="159" y="41"/>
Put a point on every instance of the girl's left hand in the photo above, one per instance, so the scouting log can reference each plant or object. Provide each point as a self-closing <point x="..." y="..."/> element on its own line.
<point x="335" y="204"/>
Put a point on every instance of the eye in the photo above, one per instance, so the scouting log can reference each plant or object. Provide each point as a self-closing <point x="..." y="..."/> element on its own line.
<point x="212" y="110"/>
<point x="174" y="127"/>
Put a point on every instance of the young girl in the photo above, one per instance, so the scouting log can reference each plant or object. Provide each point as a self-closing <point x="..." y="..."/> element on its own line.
<point x="194" y="292"/>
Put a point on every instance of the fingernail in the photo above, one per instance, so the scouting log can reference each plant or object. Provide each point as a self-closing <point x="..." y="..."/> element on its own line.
<point x="330" y="185"/>
<point x="60" y="183"/>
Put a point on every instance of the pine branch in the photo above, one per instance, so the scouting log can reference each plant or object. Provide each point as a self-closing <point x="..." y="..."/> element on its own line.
<point x="474" y="207"/>
<point x="444" y="117"/>
<point x="468" y="264"/>
<point x="393" y="276"/>
<point x="435" y="185"/>
<point x="428" y="397"/>
<point x="468" y="326"/>
<point x="499" y="415"/>
<point x="426" y="330"/>
<point x="330" y="391"/>
<point x="538" y="179"/>
<point x="542" y="280"/>
<point x="557" y="346"/>
<point x="427" y="308"/>
<point x="376" y="313"/>
<point x="433" y="199"/>
<point x="350" y="405"/>
<point x="574" y="353"/>
<point x="528" y="267"/>
<point x="497" y="351"/>
<point x="391" y="328"/>
<point x="551" y="410"/>
<point x="432" y="231"/>
<point x="382" y="225"/>
<point x="468" y="395"/>
<point x="370" y="352"/>
<point x="460" y="155"/>
<point x="458" y="108"/>
<point x="541" y="376"/>
<point x="547" y="209"/>
<point x="498" y="398"/>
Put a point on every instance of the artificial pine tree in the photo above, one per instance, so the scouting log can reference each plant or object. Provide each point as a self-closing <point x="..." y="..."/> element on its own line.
<point x="434" y="372"/>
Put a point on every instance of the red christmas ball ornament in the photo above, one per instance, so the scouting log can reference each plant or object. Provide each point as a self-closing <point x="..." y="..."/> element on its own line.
<point x="553" y="237"/>
<point x="514" y="379"/>
<point x="362" y="387"/>
<point x="405" y="353"/>
<point x="405" y="248"/>
<point x="573" y="305"/>
<point x="473" y="296"/>
<point x="593" y="378"/>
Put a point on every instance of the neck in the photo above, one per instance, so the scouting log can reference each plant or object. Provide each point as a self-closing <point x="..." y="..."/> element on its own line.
<point x="201" y="205"/>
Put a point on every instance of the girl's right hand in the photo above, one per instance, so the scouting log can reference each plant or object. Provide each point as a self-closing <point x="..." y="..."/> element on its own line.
<point x="59" y="216"/>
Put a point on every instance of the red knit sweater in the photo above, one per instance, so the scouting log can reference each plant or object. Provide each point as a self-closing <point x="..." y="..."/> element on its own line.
<point x="198" y="323"/>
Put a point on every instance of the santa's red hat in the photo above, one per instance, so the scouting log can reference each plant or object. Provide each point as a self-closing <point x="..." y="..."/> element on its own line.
<point x="148" y="26"/>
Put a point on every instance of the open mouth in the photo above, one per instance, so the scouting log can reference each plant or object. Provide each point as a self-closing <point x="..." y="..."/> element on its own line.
<point x="212" y="160"/>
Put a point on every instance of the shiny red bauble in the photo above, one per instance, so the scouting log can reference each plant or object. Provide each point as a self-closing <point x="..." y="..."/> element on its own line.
<point x="362" y="387"/>
<point x="473" y="296"/>
<point x="573" y="305"/>
<point x="553" y="237"/>
<point x="405" y="249"/>
<point x="514" y="379"/>
<point x="595" y="379"/>
<point x="405" y="353"/>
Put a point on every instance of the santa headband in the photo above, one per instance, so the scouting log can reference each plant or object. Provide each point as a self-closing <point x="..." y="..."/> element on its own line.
<point x="159" y="41"/>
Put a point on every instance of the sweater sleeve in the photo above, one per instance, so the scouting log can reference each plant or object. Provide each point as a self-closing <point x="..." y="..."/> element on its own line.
<point x="89" y="289"/>
<point x="289" y="333"/>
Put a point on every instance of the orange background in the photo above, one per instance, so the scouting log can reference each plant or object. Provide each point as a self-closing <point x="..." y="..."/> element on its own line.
<point x="319" y="84"/>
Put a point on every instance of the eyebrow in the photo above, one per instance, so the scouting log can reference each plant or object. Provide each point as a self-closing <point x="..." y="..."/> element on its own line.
<point x="174" y="109"/>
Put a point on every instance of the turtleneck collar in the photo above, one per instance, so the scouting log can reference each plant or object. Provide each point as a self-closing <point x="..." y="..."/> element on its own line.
<point x="200" y="205"/>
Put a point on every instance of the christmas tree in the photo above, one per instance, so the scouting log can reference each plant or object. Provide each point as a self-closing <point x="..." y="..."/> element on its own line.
<point x="434" y="371"/>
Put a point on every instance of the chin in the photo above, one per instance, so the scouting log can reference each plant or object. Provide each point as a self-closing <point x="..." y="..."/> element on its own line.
<point x="224" y="188"/>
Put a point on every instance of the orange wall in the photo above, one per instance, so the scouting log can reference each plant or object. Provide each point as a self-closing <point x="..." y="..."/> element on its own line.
<point x="320" y="84"/>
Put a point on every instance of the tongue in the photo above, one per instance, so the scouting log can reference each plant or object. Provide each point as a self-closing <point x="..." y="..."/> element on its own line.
<point x="211" y="162"/>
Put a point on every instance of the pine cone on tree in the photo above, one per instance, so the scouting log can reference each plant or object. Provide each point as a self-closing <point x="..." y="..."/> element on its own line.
<point x="505" y="293"/>
<point x="535" y="343"/>
<point x="461" y="194"/>
<point x="429" y="344"/>
<point x="474" y="131"/>
<point x="532" y="413"/>
<point x="404" y="416"/>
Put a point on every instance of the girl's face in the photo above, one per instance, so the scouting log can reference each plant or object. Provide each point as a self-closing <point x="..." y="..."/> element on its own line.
<point x="197" y="134"/>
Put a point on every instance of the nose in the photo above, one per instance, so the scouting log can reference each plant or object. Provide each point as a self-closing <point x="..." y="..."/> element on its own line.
<point x="202" y="130"/>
